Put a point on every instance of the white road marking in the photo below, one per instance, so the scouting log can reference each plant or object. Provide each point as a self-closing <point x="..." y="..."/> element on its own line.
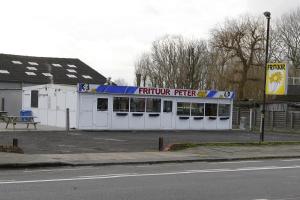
<point x="162" y="165"/>
<point x="57" y="170"/>
<point x="110" y="139"/>
<point x="236" y="162"/>
<point x="291" y="160"/>
<point x="106" y="175"/>
<point x="260" y="199"/>
<point x="109" y="176"/>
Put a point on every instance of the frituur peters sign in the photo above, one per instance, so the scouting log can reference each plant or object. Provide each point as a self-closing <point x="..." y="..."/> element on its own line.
<point x="111" y="89"/>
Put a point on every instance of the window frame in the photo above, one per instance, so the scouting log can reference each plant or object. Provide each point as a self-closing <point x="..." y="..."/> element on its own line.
<point x="34" y="99"/>
<point x="136" y="104"/>
<point x="229" y="110"/>
<point x="119" y="104"/>
<point x="184" y="108"/>
<point x="99" y="108"/>
<point x="152" y="108"/>
<point x="166" y="106"/>
<point x="206" y="107"/>
<point x="203" y="106"/>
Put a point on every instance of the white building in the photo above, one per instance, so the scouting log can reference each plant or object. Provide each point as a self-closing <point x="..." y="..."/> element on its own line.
<point x="108" y="107"/>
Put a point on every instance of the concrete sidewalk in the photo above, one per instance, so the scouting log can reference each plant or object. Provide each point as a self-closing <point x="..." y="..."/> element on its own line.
<point x="208" y="154"/>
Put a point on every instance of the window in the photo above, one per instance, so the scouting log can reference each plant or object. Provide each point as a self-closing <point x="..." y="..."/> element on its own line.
<point x="87" y="76"/>
<point x="71" y="70"/>
<point x="4" y="71"/>
<point x="33" y="63"/>
<point x="197" y="109"/>
<point x="32" y="68"/>
<point x="47" y="74"/>
<point x="17" y="62"/>
<point x="137" y="105"/>
<point x="102" y="104"/>
<point x="30" y="73"/>
<point x="34" y="98"/>
<point x="153" y="105"/>
<point x="183" y="108"/>
<point x="211" y="109"/>
<point x="168" y="106"/>
<point x="72" y="66"/>
<point x="71" y="76"/>
<point x="121" y="104"/>
<point x="56" y="65"/>
<point x="224" y="110"/>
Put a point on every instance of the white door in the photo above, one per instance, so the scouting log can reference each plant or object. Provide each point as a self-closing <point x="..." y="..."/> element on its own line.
<point x="100" y="113"/>
<point x="153" y="113"/>
<point x="197" y="116"/>
<point x="167" y="114"/>
<point x="211" y="116"/>
<point x="224" y="114"/>
<point x="43" y="108"/>
<point x="86" y="111"/>
<point x="120" y="114"/>
<point x="183" y="112"/>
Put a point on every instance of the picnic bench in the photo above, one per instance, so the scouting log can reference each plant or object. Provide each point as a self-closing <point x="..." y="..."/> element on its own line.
<point x="20" y="120"/>
<point x="3" y="114"/>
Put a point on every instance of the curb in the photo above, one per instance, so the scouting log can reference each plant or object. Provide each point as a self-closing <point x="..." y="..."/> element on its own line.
<point x="65" y="164"/>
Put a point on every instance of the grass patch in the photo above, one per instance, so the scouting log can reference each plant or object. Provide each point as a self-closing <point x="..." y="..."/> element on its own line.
<point x="10" y="149"/>
<point x="182" y="146"/>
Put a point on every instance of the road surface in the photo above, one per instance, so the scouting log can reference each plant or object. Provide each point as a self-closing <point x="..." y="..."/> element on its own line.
<point x="245" y="180"/>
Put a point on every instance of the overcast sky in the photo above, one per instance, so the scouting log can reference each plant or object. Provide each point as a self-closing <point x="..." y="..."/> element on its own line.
<point x="109" y="35"/>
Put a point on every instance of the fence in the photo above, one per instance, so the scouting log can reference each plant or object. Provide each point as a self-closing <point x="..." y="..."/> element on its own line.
<point x="274" y="120"/>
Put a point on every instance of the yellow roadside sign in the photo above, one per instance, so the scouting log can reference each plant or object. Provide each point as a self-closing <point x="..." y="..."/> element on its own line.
<point x="276" y="79"/>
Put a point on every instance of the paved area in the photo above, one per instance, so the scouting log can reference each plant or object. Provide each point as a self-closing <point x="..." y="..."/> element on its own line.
<point x="22" y="127"/>
<point x="57" y="142"/>
<point x="189" y="155"/>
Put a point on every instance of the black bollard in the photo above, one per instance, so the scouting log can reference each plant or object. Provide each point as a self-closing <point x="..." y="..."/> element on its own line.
<point x="15" y="142"/>
<point x="67" y="119"/>
<point x="2" y="104"/>
<point x="160" y="144"/>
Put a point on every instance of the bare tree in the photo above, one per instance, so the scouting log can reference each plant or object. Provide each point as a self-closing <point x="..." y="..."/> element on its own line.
<point x="142" y="68"/>
<point x="288" y="29"/>
<point x="241" y="42"/>
<point x="175" y="63"/>
<point x="120" y="81"/>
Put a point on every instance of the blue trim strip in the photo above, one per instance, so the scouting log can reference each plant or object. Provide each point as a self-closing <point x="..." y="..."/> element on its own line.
<point x="211" y="93"/>
<point x="115" y="89"/>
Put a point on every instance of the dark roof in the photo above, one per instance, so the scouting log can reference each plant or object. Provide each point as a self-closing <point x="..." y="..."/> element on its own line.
<point x="17" y="72"/>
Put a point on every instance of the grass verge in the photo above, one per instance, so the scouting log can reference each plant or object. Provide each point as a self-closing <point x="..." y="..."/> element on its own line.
<point x="182" y="146"/>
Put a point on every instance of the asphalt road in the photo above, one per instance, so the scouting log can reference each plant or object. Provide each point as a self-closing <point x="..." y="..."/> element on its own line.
<point x="98" y="142"/>
<point x="246" y="180"/>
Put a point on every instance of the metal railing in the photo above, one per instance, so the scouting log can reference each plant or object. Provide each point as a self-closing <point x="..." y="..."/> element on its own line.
<point x="294" y="81"/>
<point x="274" y="120"/>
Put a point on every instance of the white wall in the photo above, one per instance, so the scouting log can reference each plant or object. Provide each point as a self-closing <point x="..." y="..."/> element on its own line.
<point x="53" y="101"/>
<point x="90" y="118"/>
